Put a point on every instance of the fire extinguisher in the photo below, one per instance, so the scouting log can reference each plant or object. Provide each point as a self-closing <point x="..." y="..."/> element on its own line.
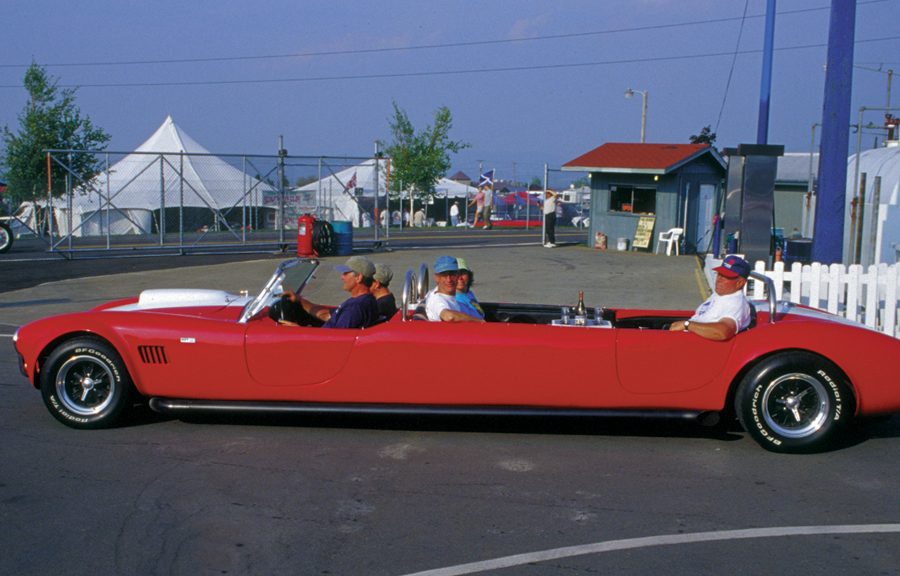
<point x="305" y="225"/>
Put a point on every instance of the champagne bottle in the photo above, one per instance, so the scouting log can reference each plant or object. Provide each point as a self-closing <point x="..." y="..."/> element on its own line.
<point x="580" y="310"/>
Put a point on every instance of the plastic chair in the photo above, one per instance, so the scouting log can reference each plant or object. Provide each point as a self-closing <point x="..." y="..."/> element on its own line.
<point x="671" y="238"/>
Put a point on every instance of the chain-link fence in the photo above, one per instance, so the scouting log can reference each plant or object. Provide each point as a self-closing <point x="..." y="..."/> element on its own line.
<point x="188" y="201"/>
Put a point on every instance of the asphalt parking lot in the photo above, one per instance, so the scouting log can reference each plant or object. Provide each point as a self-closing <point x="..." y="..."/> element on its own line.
<point x="339" y="495"/>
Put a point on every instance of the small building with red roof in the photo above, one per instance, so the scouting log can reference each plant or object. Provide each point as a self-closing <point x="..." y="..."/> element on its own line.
<point x="679" y="185"/>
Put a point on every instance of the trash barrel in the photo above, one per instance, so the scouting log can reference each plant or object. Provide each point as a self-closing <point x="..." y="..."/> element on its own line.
<point x="343" y="237"/>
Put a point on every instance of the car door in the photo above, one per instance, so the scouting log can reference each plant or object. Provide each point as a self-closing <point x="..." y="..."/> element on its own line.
<point x="650" y="361"/>
<point x="283" y="355"/>
<point x="445" y="363"/>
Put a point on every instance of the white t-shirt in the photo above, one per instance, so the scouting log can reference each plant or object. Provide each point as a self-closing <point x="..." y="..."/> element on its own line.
<point x="550" y="205"/>
<point x="454" y="209"/>
<point x="436" y="302"/>
<point x="734" y="306"/>
<point x="488" y="197"/>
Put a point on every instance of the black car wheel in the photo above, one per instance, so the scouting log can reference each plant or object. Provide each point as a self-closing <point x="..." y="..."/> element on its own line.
<point x="794" y="402"/>
<point x="85" y="385"/>
<point x="6" y="237"/>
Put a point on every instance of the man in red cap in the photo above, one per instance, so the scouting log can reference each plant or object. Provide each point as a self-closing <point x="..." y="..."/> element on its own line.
<point x="727" y="311"/>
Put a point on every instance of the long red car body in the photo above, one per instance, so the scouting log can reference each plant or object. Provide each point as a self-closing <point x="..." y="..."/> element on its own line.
<point x="794" y="383"/>
<point x="203" y="353"/>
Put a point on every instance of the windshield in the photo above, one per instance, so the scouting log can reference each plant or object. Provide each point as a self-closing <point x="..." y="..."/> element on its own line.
<point x="290" y="275"/>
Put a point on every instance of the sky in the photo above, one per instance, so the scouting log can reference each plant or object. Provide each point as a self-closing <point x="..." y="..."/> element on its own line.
<point x="528" y="82"/>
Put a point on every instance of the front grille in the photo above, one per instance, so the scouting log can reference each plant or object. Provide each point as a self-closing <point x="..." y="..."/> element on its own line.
<point x="153" y="354"/>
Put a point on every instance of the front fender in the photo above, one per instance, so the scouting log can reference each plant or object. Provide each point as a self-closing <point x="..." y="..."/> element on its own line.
<point x="36" y="340"/>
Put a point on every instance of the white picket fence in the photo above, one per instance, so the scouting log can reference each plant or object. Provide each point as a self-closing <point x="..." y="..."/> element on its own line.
<point x="868" y="296"/>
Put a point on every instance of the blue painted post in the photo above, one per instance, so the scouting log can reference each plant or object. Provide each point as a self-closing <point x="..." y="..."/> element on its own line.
<point x="827" y="245"/>
<point x="765" y="84"/>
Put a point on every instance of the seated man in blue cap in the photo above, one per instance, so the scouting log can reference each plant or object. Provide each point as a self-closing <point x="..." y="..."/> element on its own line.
<point x="441" y="303"/>
<point x="727" y="311"/>
<point x="358" y="311"/>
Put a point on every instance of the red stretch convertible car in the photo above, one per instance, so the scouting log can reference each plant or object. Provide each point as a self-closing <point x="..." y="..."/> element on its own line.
<point x="794" y="380"/>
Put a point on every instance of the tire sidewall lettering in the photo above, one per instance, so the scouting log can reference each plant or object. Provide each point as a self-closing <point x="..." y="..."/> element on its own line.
<point x="111" y="364"/>
<point x="757" y="420"/>
<point x="65" y="413"/>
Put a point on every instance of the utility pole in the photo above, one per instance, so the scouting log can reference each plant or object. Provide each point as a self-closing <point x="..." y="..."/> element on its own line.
<point x="765" y="85"/>
<point x="377" y="214"/>
<point x="828" y="241"/>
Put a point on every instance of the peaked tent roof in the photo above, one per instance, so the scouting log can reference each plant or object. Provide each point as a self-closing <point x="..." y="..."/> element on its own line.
<point x="134" y="181"/>
<point x="365" y="179"/>
<point x="639" y="158"/>
<point x="461" y="176"/>
<point x="454" y="188"/>
<point x="335" y="184"/>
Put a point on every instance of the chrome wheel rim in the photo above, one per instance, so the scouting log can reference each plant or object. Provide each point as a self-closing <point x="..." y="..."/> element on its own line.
<point x="795" y="405"/>
<point x="85" y="385"/>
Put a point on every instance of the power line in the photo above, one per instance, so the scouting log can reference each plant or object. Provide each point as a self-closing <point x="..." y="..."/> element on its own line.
<point x="737" y="45"/>
<point x="389" y="75"/>
<point x="360" y="51"/>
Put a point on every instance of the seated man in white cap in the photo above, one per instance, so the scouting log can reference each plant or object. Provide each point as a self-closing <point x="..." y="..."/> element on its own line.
<point x="441" y="303"/>
<point x="358" y="311"/>
<point x="727" y="311"/>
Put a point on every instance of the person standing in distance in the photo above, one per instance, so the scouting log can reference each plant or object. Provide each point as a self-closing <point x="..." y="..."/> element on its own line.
<point x="488" y="205"/>
<point x="550" y="199"/>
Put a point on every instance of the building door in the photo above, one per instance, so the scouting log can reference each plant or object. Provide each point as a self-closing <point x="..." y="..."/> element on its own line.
<point x="706" y="209"/>
<point x="700" y="209"/>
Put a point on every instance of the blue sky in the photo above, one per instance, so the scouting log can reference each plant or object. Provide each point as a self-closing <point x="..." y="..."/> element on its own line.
<point x="528" y="82"/>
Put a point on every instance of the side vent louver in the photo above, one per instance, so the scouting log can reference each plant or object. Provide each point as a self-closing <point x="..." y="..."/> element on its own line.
<point x="153" y="354"/>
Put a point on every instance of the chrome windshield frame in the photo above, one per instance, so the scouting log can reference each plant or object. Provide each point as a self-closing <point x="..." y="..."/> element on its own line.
<point x="274" y="287"/>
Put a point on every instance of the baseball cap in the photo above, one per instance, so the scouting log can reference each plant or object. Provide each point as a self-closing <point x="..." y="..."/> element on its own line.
<point x="461" y="263"/>
<point x="445" y="264"/>
<point x="733" y="267"/>
<point x="359" y="264"/>
<point x="383" y="274"/>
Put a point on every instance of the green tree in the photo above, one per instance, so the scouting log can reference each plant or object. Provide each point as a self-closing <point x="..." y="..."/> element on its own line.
<point x="420" y="159"/>
<point x="706" y="136"/>
<point x="50" y="120"/>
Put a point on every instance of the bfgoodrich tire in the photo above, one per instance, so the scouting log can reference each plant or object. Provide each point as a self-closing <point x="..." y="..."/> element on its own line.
<point x="794" y="402"/>
<point x="85" y="385"/>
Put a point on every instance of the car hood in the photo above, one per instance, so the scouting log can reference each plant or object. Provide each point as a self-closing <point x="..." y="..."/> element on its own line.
<point x="186" y="301"/>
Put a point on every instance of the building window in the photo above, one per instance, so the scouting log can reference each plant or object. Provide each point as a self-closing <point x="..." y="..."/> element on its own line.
<point x="632" y="199"/>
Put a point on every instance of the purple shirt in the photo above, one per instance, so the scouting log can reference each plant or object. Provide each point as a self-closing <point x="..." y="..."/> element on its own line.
<point x="357" y="312"/>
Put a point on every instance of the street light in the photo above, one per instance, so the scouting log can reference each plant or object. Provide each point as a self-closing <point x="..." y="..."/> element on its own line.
<point x="644" y="93"/>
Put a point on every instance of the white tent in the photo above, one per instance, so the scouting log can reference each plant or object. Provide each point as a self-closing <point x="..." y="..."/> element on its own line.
<point x="336" y="195"/>
<point x="169" y="170"/>
<point x="454" y="189"/>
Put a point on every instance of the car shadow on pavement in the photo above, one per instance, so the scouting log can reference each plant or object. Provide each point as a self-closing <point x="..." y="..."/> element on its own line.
<point x="511" y="424"/>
